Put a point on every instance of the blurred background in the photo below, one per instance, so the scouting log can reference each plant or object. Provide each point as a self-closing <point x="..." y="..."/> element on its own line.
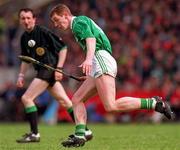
<point x="145" y="37"/>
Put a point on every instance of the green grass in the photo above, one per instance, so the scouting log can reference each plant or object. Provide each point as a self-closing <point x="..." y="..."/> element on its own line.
<point x="106" y="137"/>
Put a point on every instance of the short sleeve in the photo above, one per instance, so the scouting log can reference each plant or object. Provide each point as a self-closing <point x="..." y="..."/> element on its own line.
<point x="82" y="30"/>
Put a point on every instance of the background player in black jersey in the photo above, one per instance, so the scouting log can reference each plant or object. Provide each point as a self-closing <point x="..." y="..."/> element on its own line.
<point x="40" y="43"/>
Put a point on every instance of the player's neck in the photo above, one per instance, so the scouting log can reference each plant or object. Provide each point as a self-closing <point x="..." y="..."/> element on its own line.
<point x="30" y="29"/>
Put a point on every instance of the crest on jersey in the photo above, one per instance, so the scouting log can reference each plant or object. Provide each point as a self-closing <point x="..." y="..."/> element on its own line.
<point x="40" y="51"/>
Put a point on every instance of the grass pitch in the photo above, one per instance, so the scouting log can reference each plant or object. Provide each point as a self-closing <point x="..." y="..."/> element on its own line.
<point x="106" y="137"/>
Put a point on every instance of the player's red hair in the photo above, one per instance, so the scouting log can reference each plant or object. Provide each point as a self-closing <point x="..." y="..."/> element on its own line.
<point x="60" y="9"/>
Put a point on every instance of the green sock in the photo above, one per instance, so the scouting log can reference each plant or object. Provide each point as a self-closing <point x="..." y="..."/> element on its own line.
<point x="31" y="109"/>
<point x="147" y="103"/>
<point x="86" y="128"/>
<point x="70" y="111"/>
<point x="80" y="129"/>
<point x="31" y="113"/>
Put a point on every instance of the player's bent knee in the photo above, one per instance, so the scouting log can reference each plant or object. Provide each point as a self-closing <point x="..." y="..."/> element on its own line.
<point x="62" y="103"/>
<point x="26" y="100"/>
<point x="75" y="100"/>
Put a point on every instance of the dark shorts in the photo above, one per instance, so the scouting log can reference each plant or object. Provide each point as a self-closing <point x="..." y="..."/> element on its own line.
<point x="47" y="76"/>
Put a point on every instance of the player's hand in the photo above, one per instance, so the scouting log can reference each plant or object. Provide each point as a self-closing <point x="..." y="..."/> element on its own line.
<point x="20" y="82"/>
<point x="58" y="76"/>
<point x="86" y="67"/>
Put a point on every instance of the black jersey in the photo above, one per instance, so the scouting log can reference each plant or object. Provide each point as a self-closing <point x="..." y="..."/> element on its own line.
<point x="45" y="48"/>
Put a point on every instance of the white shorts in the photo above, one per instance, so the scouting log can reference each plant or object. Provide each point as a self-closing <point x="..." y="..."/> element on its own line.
<point x="103" y="63"/>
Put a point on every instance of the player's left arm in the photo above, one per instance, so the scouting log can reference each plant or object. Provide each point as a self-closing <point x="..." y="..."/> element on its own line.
<point x="62" y="57"/>
<point x="91" y="46"/>
<point x="82" y="29"/>
<point x="61" y="49"/>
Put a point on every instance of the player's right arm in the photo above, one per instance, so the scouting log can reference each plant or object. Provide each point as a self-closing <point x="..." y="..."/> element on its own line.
<point x="20" y="80"/>
<point x="24" y="65"/>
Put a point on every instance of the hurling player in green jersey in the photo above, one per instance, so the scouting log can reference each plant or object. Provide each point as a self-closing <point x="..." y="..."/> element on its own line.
<point x="40" y="43"/>
<point x="100" y="68"/>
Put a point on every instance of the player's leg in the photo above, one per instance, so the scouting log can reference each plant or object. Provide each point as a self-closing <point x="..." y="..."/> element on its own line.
<point x="105" y="83"/>
<point x="86" y="90"/>
<point x="36" y="87"/>
<point x="106" y="89"/>
<point x="58" y="92"/>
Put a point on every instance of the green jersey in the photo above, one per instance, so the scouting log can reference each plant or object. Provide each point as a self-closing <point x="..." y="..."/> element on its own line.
<point x="84" y="27"/>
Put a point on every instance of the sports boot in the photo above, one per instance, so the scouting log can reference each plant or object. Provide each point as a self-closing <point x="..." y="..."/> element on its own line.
<point x="163" y="107"/>
<point x="74" y="141"/>
<point x="29" y="137"/>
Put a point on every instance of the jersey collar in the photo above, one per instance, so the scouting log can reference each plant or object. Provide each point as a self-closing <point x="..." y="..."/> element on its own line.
<point x="72" y="21"/>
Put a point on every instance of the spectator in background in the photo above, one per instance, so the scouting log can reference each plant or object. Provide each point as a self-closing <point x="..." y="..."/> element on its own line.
<point x="175" y="96"/>
<point x="2" y="42"/>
